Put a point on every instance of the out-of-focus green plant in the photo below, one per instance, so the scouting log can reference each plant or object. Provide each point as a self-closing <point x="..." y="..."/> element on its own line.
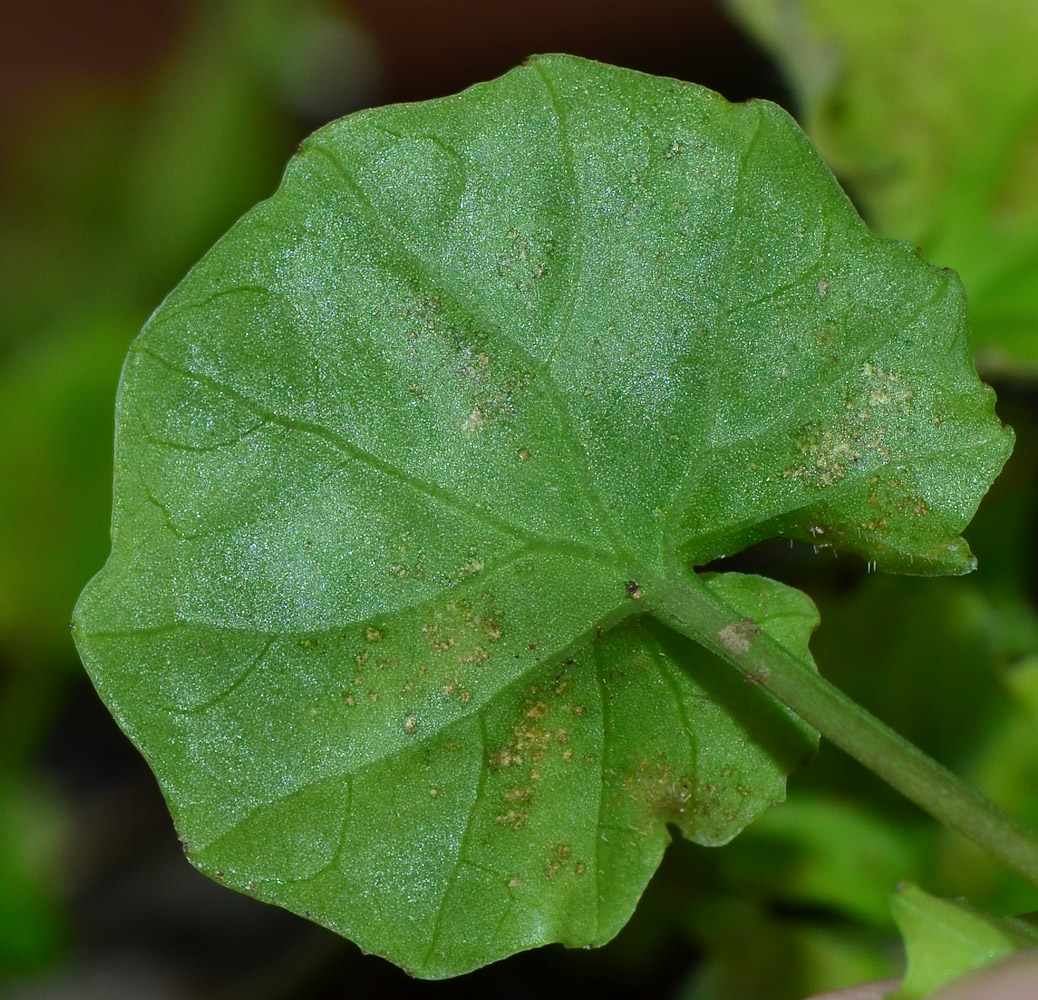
<point x="946" y="939"/>
<point x="929" y="110"/>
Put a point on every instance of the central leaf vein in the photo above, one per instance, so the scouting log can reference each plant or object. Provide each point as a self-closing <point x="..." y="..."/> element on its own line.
<point x="354" y="453"/>
<point x="423" y="272"/>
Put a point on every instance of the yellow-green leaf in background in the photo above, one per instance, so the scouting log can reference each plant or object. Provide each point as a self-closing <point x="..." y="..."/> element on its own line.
<point x="946" y="939"/>
<point x="928" y="109"/>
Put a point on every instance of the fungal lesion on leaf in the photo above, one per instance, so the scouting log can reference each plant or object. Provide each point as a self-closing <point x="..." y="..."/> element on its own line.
<point x="735" y="637"/>
<point x="486" y="391"/>
<point x="822" y="456"/>
<point x="459" y="629"/>
<point x="454" y="687"/>
<point x="528" y="744"/>
<point x="548" y="726"/>
<point x="518" y="793"/>
<point x="659" y="790"/>
<point x="888" y="494"/>
<point x="524" y="260"/>
<point x="875" y="408"/>
<point x="558" y="859"/>
<point x="472" y="564"/>
<point x="514" y="819"/>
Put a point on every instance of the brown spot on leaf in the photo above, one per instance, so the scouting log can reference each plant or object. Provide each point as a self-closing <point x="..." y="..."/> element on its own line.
<point x="656" y="787"/>
<point x="518" y="793"/>
<point x="736" y="636"/>
<point x="558" y="858"/>
<point x="514" y="819"/>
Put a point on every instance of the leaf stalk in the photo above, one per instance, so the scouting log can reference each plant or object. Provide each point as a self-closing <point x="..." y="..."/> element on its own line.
<point x="690" y="608"/>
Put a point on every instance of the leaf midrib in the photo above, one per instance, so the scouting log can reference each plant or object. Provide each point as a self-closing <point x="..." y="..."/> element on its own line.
<point x="436" y="282"/>
<point x="475" y="710"/>
<point x="354" y="452"/>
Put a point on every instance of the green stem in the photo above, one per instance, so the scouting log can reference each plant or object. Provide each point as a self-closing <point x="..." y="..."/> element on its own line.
<point x="691" y="609"/>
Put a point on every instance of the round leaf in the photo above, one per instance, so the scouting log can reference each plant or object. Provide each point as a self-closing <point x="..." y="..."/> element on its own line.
<point x="403" y="460"/>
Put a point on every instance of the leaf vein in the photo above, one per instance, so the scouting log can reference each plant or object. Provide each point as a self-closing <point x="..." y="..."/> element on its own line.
<point x="233" y="686"/>
<point x="438" y="283"/>
<point x="346" y="447"/>
<point x="481" y="777"/>
<point x="573" y="439"/>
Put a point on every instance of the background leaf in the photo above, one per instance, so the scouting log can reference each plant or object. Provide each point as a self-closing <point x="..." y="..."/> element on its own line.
<point x="946" y="939"/>
<point x="929" y="110"/>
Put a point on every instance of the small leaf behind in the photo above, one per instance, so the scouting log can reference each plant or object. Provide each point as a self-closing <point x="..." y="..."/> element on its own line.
<point x="946" y="939"/>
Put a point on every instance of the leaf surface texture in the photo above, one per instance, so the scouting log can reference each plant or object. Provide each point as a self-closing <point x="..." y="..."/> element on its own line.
<point x="402" y="462"/>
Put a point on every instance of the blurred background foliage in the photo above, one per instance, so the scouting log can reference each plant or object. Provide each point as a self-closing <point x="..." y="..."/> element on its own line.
<point x="131" y="136"/>
<point x="929" y="113"/>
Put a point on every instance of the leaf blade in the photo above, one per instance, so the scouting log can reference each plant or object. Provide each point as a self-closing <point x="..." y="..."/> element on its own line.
<point x="381" y="473"/>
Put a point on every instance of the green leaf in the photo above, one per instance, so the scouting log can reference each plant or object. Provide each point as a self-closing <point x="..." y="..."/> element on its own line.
<point x="821" y="852"/>
<point x="757" y="952"/>
<point x="946" y="939"/>
<point x="1004" y="766"/>
<point x="904" y="100"/>
<point x="403" y="461"/>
